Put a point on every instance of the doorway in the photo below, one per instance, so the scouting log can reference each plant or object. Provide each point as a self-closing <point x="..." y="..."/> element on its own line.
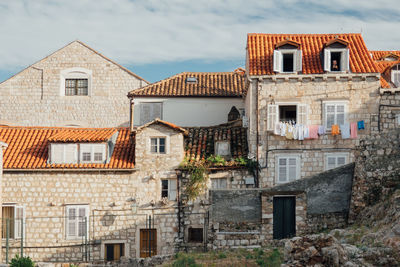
<point x="284" y="212"/>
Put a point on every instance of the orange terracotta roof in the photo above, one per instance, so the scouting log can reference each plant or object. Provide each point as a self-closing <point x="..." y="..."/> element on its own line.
<point x="28" y="149"/>
<point x="83" y="135"/>
<point x="208" y="84"/>
<point x="260" y="48"/>
<point x="165" y="123"/>
<point x="381" y="54"/>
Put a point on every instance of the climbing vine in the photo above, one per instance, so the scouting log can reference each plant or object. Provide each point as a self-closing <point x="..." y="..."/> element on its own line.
<point x="198" y="176"/>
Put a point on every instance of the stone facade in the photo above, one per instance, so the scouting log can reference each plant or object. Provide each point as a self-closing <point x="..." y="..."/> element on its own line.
<point x="389" y="111"/>
<point x="360" y="92"/>
<point x="35" y="96"/>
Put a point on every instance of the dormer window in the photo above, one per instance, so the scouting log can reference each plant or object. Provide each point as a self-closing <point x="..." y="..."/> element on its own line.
<point x="287" y="57"/>
<point x="336" y="56"/>
<point x="77" y="153"/>
<point x="92" y="153"/>
<point x="395" y="75"/>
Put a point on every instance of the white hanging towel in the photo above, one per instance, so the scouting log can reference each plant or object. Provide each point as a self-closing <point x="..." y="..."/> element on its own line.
<point x="300" y="131"/>
<point x="283" y="129"/>
<point x="306" y="132"/>
<point x="345" y="130"/>
<point x="277" y="129"/>
<point x="296" y="132"/>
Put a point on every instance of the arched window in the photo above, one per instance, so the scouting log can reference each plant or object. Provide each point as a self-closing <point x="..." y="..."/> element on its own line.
<point x="75" y="82"/>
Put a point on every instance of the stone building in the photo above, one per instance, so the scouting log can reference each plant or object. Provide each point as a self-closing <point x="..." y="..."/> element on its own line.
<point x="190" y="99"/>
<point x="74" y="86"/>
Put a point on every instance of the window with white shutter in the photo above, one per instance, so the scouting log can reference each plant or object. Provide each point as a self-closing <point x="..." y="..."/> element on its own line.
<point x="77" y="221"/>
<point x="150" y="111"/>
<point x="272" y="117"/>
<point x="288" y="168"/>
<point x="15" y="215"/>
<point x="64" y="153"/>
<point x="277" y="61"/>
<point x="168" y="189"/>
<point x="334" y="113"/>
<point x="92" y="153"/>
<point x="336" y="59"/>
<point x="334" y="160"/>
<point x="302" y="114"/>
<point x="287" y="60"/>
<point x="395" y="73"/>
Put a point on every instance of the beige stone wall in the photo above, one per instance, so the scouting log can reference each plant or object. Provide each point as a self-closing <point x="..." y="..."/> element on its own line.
<point x="361" y="93"/>
<point x="32" y="97"/>
<point x="109" y="195"/>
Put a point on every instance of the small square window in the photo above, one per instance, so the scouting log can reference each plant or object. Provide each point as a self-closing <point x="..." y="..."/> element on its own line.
<point x="168" y="189"/>
<point x="86" y="156"/>
<point x="158" y="145"/>
<point x="76" y="87"/>
<point x="222" y="148"/>
<point x="98" y="156"/>
<point x="195" y="235"/>
<point x="288" y="113"/>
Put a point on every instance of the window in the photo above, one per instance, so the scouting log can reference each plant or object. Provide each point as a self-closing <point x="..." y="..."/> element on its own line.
<point x="168" y="189"/>
<point x="285" y="112"/>
<point x="195" y="235"/>
<point x="288" y="168"/>
<point x="75" y="82"/>
<point x="92" y="153"/>
<point x="219" y="183"/>
<point x="334" y="160"/>
<point x="222" y="148"/>
<point x="77" y="221"/>
<point x="64" y="153"/>
<point x="334" y="113"/>
<point x="113" y="252"/>
<point x="287" y="60"/>
<point x="336" y="59"/>
<point x="150" y="111"/>
<point x="15" y="216"/>
<point x="395" y="73"/>
<point x="76" y="87"/>
<point x="157" y="145"/>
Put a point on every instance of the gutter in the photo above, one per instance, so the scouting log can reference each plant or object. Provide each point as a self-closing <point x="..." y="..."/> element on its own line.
<point x="71" y="170"/>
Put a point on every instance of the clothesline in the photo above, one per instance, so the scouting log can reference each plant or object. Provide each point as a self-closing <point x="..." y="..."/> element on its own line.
<point x="300" y="132"/>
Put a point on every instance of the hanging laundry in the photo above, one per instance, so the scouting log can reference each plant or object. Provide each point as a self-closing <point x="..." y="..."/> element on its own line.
<point x="277" y="129"/>
<point x="306" y="132"/>
<point x="300" y="132"/>
<point x="313" y="130"/>
<point x="283" y="129"/>
<point x="289" y="131"/>
<point x="353" y="130"/>
<point x="361" y="125"/>
<point x="321" y="129"/>
<point x="296" y="132"/>
<point x="345" y="130"/>
<point x="335" y="129"/>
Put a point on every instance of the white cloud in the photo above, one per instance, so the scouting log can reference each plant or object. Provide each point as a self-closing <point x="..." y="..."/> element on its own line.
<point x="154" y="31"/>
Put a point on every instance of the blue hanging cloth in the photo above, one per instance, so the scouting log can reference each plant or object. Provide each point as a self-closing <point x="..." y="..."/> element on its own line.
<point x="360" y="125"/>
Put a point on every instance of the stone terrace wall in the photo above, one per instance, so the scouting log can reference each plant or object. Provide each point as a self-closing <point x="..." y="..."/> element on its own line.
<point x="389" y="112"/>
<point x="377" y="170"/>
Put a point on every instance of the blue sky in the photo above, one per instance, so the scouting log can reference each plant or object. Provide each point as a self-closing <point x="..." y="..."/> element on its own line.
<point x="158" y="38"/>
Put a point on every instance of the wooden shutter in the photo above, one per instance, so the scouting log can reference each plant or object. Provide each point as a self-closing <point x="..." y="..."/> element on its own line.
<point x="157" y="111"/>
<point x="272" y="117"/>
<point x="145" y="113"/>
<point x="277" y="61"/>
<point x="302" y="114"/>
<point x="292" y="169"/>
<point x="57" y="153"/>
<point x="71" y="153"/>
<point x="327" y="60"/>
<point x="71" y="222"/>
<point x="298" y="61"/>
<point x="329" y="110"/>
<point x="99" y="148"/>
<point x="82" y="213"/>
<point x="345" y="60"/>
<point x="19" y="217"/>
<point x="340" y="114"/>
<point x="282" y="170"/>
<point x="172" y="190"/>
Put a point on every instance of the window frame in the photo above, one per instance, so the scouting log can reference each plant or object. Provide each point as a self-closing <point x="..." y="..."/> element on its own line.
<point x="64" y="145"/>
<point x="92" y="152"/>
<point x="394" y="72"/>
<point x="273" y="115"/>
<point x="220" y="142"/>
<point x="287" y="157"/>
<point x="166" y="146"/>
<point x="278" y="60"/>
<point x="171" y="196"/>
<point x="68" y="236"/>
<point x="335" y="103"/>
<point x="75" y="73"/>
<point x="219" y="183"/>
<point x="345" y="59"/>
<point x="336" y="156"/>
<point x="17" y="226"/>
<point x="76" y="88"/>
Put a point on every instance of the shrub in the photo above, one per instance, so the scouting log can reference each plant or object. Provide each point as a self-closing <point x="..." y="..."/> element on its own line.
<point x="18" y="261"/>
<point x="182" y="260"/>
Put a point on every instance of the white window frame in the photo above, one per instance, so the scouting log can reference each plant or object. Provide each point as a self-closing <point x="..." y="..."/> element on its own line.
<point x="172" y="189"/>
<point x="216" y="183"/>
<point x="394" y="72"/>
<point x="273" y="113"/>
<point x="17" y="224"/>
<point x="335" y="103"/>
<point x="141" y="105"/>
<point x="91" y="147"/>
<point x="158" y="144"/>
<point x="76" y="220"/>
<point x="217" y="150"/>
<point x="344" y="61"/>
<point x="336" y="156"/>
<point x="64" y="145"/>
<point x="287" y="157"/>
<point x="75" y="73"/>
<point x="278" y="60"/>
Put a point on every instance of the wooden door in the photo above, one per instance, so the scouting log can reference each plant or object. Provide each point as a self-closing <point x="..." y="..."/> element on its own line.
<point x="284" y="210"/>
<point x="114" y="252"/>
<point x="148" y="242"/>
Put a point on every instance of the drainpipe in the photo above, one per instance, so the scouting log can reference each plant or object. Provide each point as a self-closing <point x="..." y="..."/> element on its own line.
<point x="257" y="136"/>
<point x="131" y="114"/>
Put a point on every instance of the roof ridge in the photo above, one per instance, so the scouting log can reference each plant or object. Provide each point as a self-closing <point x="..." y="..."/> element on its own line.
<point x="61" y="127"/>
<point x="303" y="34"/>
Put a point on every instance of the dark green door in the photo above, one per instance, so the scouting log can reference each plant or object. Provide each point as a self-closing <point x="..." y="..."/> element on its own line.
<point x="284" y="217"/>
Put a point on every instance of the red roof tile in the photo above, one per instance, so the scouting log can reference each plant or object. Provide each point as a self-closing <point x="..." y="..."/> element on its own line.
<point x="381" y="54"/>
<point x="208" y="84"/>
<point x="165" y="123"/>
<point x="260" y="48"/>
<point x="83" y="135"/>
<point x="384" y="66"/>
<point x="28" y="148"/>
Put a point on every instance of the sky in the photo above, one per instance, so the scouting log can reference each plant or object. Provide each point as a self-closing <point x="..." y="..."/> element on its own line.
<point x="159" y="38"/>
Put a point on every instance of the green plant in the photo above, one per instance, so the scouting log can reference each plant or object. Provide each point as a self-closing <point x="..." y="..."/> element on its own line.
<point x="221" y="255"/>
<point x="198" y="176"/>
<point x="18" y="261"/>
<point x="183" y="260"/>
<point x="216" y="160"/>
